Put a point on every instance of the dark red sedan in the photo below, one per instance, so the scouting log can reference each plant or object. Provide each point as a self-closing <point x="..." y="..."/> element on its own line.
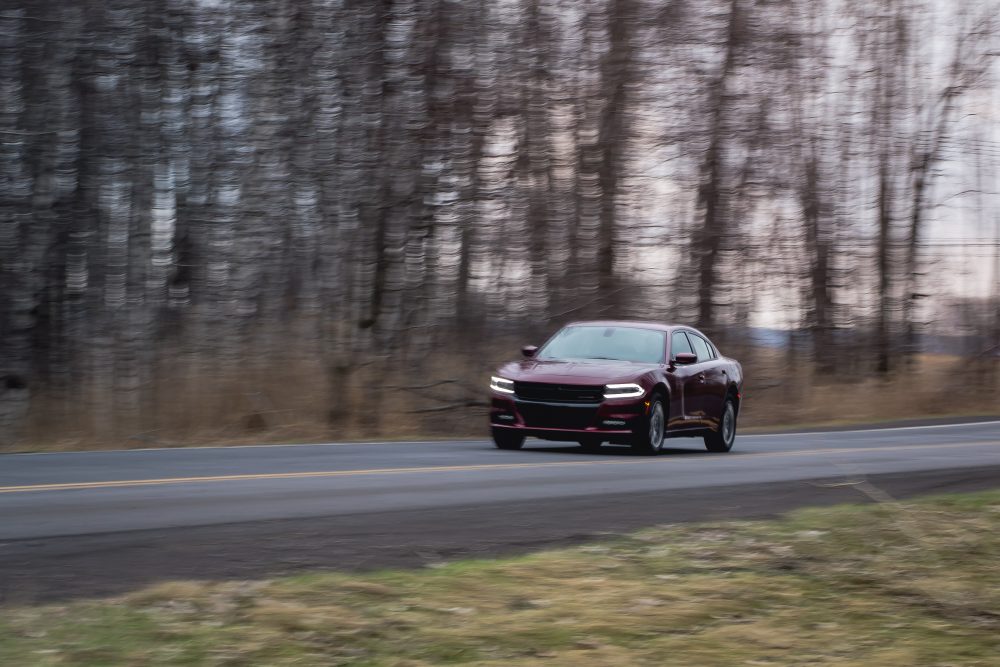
<point x="632" y="383"/>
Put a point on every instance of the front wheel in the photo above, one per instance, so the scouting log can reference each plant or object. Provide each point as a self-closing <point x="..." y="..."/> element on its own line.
<point x="504" y="439"/>
<point x="722" y="439"/>
<point x="649" y="438"/>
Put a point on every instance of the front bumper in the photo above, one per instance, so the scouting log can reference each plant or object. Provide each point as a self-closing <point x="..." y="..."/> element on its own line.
<point x="609" y="419"/>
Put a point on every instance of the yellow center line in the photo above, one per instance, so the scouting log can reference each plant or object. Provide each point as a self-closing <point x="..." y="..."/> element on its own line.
<point x="68" y="486"/>
<point x="293" y="475"/>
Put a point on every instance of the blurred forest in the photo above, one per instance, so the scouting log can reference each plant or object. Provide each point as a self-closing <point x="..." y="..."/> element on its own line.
<point x="283" y="219"/>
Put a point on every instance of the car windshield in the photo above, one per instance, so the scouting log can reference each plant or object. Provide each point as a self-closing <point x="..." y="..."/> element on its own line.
<point x="604" y="342"/>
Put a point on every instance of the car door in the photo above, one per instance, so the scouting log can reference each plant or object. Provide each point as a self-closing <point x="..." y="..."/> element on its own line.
<point x="684" y="389"/>
<point x="711" y="380"/>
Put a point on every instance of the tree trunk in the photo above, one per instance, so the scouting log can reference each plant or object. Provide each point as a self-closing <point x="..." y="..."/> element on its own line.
<point x="817" y="242"/>
<point x="710" y="195"/>
<point x="613" y="136"/>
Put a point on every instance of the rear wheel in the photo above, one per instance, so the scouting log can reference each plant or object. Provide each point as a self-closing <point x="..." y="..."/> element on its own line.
<point x="504" y="439"/>
<point x="722" y="439"/>
<point x="649" y="438"/>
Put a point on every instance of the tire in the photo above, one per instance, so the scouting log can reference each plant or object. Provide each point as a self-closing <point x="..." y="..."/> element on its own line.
<point x="649" y="439"/>
<point x="591" y="445"/>
<point x="507" y="439"/>
<point x="722" y="439"/>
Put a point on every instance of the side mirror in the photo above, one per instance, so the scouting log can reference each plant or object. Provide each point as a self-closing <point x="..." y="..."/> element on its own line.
<point x="684" y="358"/>
<point x="529" y="350"/>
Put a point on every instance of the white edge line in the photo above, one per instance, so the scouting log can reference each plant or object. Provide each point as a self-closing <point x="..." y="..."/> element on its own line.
<point x="424" y="442"/>
<point x="869" y="430"/>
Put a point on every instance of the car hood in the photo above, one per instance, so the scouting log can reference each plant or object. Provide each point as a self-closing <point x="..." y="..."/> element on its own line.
<point x="593" y="372"/>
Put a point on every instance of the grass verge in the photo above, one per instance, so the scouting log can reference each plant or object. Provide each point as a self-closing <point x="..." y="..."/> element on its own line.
<point x="915" y="583"/>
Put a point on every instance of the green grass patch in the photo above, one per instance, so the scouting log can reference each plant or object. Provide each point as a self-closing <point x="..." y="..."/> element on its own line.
<point x="914" y="583"/>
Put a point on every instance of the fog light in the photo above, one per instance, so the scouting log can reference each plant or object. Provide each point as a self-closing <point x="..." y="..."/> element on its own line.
<point x="614" y="422"/>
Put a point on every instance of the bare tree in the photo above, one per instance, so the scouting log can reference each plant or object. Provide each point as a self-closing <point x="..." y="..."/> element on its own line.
<point x="214" y="214"/>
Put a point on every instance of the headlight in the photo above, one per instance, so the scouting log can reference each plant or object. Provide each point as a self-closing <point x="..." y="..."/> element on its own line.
<point x="630" y="390"/>
<point x="503" y="385"/>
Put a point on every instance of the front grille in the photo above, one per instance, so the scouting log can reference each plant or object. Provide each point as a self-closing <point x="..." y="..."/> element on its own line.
<point x="559" y="393"/>
<point x="556" y="416"/>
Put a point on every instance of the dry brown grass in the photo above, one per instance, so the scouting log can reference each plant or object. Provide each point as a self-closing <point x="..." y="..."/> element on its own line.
<point x="291" y="397"/>
<point x="784" y="394"/>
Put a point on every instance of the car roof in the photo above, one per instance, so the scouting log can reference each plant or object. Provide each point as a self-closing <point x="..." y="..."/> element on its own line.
<point x="659" y="326"/>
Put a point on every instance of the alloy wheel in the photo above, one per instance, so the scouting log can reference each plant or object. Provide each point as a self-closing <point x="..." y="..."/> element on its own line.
<point x="656" y="427"/>
<point x="728" y="425"/>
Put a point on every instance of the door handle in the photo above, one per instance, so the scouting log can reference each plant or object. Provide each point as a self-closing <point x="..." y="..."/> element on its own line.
<point x="701" y="377"/>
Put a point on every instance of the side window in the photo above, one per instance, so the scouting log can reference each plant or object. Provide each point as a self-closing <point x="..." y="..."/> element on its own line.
<point x="701" y="348"/>
<point x="678" y="344"/>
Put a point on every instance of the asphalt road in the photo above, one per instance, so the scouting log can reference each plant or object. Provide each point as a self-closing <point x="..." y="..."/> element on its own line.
<point x="95" y="523"/>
